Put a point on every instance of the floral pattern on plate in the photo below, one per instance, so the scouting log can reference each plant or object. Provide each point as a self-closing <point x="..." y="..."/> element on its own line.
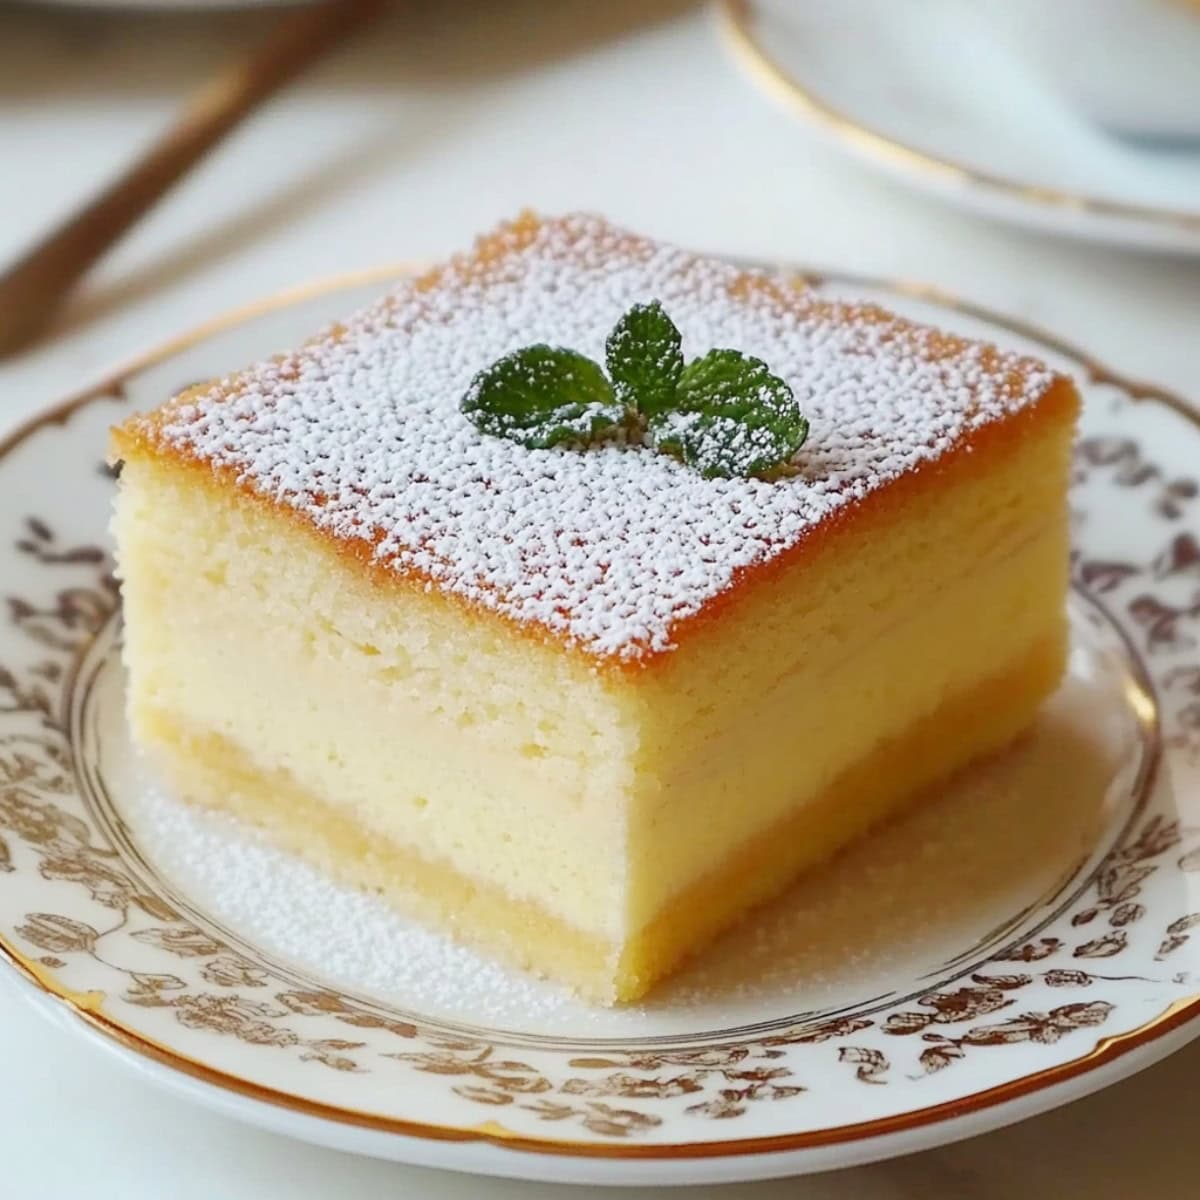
<point x="1099" y="966"/>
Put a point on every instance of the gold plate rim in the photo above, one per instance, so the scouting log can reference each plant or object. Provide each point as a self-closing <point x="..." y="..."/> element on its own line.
<point x="735" y="20"/>
<point x="82" y="1006"/>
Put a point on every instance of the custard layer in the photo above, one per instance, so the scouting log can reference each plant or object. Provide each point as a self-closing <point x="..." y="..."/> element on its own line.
<point x="215" y="772"/>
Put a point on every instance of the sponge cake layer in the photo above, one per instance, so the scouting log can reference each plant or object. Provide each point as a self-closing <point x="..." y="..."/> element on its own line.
<point x="587" y="708"/>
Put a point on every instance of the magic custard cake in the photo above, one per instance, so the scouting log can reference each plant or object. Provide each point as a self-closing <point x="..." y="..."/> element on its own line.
<point x="586" y="707"/>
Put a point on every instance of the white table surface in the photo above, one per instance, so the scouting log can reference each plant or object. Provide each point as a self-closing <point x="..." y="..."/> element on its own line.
<point x="448" y="117"/>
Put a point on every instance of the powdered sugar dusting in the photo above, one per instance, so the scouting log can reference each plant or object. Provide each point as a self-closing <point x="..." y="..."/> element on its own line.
<point x="610" y="549"/>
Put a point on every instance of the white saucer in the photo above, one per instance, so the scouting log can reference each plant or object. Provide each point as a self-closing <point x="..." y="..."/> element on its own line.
<point x="941" y="103"/>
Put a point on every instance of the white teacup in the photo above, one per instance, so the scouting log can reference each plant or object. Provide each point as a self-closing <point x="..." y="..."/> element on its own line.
<point x="1132" y="66"/>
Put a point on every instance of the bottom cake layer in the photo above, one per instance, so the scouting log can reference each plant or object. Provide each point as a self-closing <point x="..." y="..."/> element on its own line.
<point x="208" y="769"/>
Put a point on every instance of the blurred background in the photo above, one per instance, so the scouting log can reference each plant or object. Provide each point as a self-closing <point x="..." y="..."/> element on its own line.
<point x="433" y="120"/>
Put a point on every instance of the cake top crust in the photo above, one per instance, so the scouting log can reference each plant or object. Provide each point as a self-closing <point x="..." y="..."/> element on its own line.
<point x="609" y="550"/>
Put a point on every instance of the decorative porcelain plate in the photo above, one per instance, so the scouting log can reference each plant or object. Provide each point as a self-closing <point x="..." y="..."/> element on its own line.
<point x="1027" y="935"/>
<point x="941" y="98"/>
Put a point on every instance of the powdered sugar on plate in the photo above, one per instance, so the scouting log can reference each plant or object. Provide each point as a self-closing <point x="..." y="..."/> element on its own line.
<point x="283" y="905"/>
<point x="611" y="549"/>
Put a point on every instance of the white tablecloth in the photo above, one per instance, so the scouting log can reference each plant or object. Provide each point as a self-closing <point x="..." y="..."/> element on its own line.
<point x="449" y="117"/>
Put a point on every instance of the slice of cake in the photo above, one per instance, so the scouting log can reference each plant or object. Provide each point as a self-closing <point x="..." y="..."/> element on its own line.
<point x="587" y="706"/>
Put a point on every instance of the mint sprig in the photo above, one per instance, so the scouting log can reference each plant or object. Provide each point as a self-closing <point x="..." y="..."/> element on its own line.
<point x="725" y="414"/>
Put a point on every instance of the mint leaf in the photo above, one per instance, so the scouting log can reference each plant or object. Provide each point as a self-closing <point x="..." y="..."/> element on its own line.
<point x="724" y="414"/>
<point x="731" y="417"/>
<point x="645" y="359"/>
<point x="540" y="396"/>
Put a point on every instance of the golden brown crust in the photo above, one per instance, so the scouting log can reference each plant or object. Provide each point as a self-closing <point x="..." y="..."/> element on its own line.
<point x="142" y="436"/>
<point x="974" y="453"/>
